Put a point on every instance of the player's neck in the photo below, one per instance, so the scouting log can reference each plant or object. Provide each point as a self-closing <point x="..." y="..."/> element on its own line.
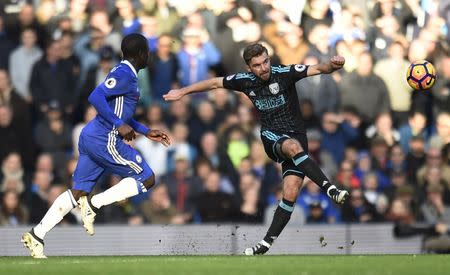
<point x="133" y="63"/>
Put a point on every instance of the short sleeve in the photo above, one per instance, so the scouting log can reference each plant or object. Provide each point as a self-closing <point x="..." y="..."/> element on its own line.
<point x="298" y="71"/>
<point x="116" y="83"/>
<point x="238" y="82"/>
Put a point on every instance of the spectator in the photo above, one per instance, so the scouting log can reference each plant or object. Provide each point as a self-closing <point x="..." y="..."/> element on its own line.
<point x="397" y="160"/>
<point x="390" y="69"/>
<point x="196" y="57"/>
<point x="322" y="157"/>
<point x="312" y="195"/>
<point x="433" y="159"/>
<point x="309" y="114"/>
<point x="442" y="137"/>
<point x="96" y="75"/>
<point x="39" y="194"/>
<point x="127" y="21"/>
<point x="288" y="41"/>
<point x="21" y="63"/>
<point x="373" y="195"/>
<point x="6" y="45"/>
<point x="321" y="89"/>
<point x="442" y="87"/>
<point x="383" y="129"/>
<point x="158" y="209"/>
<point x="214" y="205"/>
<point x="89" y="115"/>
<point x="11" y="211"/>
<point x="204" y="121"/>
<point x="182" y="187"/>
<point x="434" y="209"/>
<point x="363" y="86"/>
<point x="52" y="80"/>
<point x="317" y="12"/>
<point x="264" y="170"/>
<point x="149" y="26"/>
<point x="251" y="203"/>
<point x="346" y="176"/>
<point x="14" y="137"/>
<point x="53" y="136"/>
<point x="359" y="210"/>
<point x="165" y="15"/>
<point x="26" y="19"/>
<point x="163" y="68"/>
<point x="12" y="175"/>
<point x="336" y="135"/>
<point x="416" y="126"/>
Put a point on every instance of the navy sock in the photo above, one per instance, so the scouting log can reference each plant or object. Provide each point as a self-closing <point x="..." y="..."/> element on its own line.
<point x="312" y="170"/>
<point x="280" y="219"/>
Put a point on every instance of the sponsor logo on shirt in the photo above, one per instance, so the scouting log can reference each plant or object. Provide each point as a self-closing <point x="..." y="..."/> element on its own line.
<point x="270" y="103"/>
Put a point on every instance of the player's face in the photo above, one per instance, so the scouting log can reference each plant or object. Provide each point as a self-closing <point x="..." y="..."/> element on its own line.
<point x="260" y="66"/>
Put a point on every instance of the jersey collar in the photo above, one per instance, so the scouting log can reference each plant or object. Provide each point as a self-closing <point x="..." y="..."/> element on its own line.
<point x="130" y="65"/>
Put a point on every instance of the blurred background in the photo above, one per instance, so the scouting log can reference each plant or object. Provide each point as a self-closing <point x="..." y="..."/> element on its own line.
<point x="367" y="129"/>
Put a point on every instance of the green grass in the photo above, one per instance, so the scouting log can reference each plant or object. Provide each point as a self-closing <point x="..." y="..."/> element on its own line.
<point x="216" y="265"/>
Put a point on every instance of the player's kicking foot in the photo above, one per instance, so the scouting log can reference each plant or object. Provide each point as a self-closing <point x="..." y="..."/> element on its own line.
<point x="259" y="249"/>
<point x="338" y="196"/>
<point x="87" y="214"/>
<point x="34" y="244"/>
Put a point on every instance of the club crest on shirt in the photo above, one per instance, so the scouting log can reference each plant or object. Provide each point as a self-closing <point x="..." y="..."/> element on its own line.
<point x="299" y="68"/>
<point x="230" y="77"/>
<point x="274" y="88"/>
<point x="138" y="158"/>
<point x="110" y="83"/>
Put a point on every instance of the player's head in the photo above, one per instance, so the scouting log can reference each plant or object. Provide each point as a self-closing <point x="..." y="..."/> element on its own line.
<point x="135" y="49"/>
<point x="258" y="61"/>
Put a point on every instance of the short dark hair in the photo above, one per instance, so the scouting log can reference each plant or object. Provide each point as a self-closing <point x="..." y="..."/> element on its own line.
<point x="253" y="50"/>
<point x="133" y="44"/>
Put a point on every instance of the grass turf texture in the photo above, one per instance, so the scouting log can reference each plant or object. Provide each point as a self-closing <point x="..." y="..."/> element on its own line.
<point x="216" y="265"/>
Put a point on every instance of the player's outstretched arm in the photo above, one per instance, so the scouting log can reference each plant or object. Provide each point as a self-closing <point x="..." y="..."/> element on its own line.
<point x="335" y="63"/>
<point x="201" y="86"/>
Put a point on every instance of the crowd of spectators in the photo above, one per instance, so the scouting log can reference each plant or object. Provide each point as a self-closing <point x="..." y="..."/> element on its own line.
<point x="370" y="133"/>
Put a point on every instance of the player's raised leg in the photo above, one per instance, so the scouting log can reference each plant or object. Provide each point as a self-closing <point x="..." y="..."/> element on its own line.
<point x="137" y="178"/>
<point x="291" y="188"/>
<point x="34" y="239"/>
<point x="293" y="150"/>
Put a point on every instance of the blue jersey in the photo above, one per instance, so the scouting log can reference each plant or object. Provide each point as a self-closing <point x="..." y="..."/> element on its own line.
<point x="100" y="146"/>
<point x="115" y="100"/>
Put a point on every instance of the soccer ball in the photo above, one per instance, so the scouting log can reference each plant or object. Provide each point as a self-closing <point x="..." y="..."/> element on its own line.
<point x="421" y="75"/>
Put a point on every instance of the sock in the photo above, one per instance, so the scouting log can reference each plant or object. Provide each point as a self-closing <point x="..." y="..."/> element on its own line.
<point x="60" y="207"/>
<point x="312" y="171"/>
<point x="280" y="219"/>
<point x="127" y="187"/>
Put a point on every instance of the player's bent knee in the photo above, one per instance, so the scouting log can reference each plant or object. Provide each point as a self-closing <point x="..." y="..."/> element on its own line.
<point x="150" y="182"/>
<point x="292" y="147"/>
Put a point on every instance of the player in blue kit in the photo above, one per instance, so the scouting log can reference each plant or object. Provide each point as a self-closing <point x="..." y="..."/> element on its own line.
<point x="102" y="148"/>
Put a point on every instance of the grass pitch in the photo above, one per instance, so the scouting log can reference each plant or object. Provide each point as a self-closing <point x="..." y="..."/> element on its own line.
<point x="216" y="265"/>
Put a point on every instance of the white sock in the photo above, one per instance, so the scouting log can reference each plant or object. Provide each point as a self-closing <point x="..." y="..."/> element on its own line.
<point x="127" y="187"/>
<point x="60" y="207"/>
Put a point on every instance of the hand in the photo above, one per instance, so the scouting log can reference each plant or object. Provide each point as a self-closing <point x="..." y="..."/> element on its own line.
<point x="159" y="136"/>
<point x="173" y="95"/>
<point x="126" y="132"/>
<point x="337" y="62"/>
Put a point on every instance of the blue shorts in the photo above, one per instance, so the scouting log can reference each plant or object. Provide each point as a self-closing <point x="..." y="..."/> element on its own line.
<point x="107" y="153"/>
